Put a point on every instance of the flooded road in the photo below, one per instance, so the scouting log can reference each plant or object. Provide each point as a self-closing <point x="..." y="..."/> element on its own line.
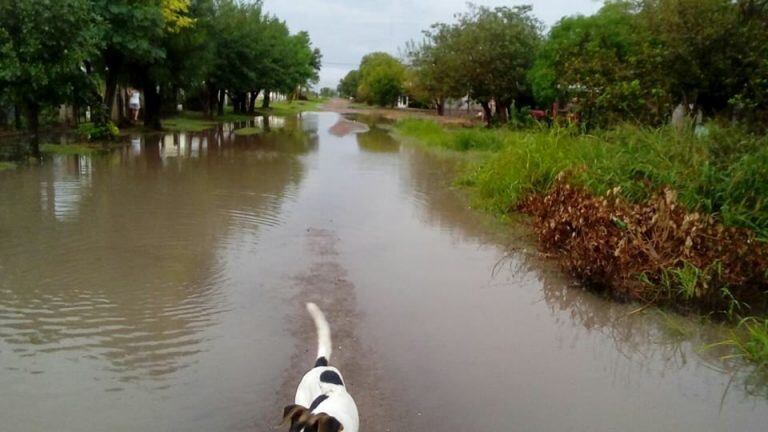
<point x="161" y="288"/>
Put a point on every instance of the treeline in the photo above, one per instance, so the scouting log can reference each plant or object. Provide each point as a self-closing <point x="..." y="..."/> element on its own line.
<point x="80" y="52"/>
<point x="634" y="60"/>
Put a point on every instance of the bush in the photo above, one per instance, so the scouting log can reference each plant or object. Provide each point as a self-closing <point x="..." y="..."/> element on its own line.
<point x="654" y="251"/>
<point x="649" y="214"/>
<point x="92" y="132"/>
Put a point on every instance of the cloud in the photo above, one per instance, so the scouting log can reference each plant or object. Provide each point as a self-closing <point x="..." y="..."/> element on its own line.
<point x="346" y="30"/>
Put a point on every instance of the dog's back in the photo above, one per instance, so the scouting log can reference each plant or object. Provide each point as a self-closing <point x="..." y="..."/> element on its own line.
<point x="322" y="402"/>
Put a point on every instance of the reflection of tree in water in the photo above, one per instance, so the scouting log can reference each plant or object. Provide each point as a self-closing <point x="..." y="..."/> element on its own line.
<point x="131" y="275"/>
<point x="648" y="339"/>
<point x="377" y="140"/>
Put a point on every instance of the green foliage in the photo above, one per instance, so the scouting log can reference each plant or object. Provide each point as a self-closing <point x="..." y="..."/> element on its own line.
<point x="94" y="132"/>
<point x="69" y="149"/>
<point x="634" y="60"/>
<point x="7" y="166"/>
<point x="750" y="341"/>
<point x="381" y="79"/>
<point x="187" y="124"/>
<point x="44" y="44"/>
<point x="637" y="60"/>
<point x="327" y="92"/>
<point x="487" y="54"/>
<point x="723" y="173"/>
<point x="70" y="51"/>
<point x="597" y="62"/>
<point x="348" y="85"/>
<point x="248" y="131"/>
<point x="290" y="108"/>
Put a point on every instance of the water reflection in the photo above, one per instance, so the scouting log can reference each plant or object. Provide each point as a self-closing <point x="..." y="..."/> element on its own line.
<point x="116" y="259"/>
<point x="377" y="140"/>
<point x="67" y="185"/>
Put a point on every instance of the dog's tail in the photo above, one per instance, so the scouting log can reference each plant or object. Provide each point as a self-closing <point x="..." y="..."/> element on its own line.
<point x="324" y="346"/>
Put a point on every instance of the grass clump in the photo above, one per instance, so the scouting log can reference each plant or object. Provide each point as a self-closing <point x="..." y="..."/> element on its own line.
<point x="289" y="108"/>
<point x="247" y="131"/>
<point x="7" y="166"/>
<point x="433" y="135"/>
<point x="750" y="340"/>
<point x="69" y="149"/>
<point x="92" y="132"/>
<point x="188" y="124"/>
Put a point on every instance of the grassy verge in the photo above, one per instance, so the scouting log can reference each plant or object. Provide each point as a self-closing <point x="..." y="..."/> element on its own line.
<point x="194" y="121"/>
<point x="652" y="215"/>
<point x="750" y="341"/>
<point x="188" y="122"/>
<point x="724" y="174"/>
<point x="286" y="108"/>
<point x="70" y="149"/>
<point x="5" y="166"/>
<point x="247" y="131"/>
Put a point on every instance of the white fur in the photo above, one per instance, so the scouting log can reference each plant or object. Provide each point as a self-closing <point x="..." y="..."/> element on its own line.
<point x="339" y="403"/>
<point x="324" y="345"/>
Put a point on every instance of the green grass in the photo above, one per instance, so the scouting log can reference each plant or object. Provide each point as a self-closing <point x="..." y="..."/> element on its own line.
<point x="6" y="166"/>
<point x="724" y="173"/>
<point x="286" y="108"/>
<point x="188" y="122"/>
<point x="750" y="341"/>
<point x="247" y="131"/>
<point x="69" y="149"/>
<point x="194" y="121"/>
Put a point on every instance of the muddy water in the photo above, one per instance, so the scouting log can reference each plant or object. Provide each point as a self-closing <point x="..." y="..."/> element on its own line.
<point x="159" y="288"/>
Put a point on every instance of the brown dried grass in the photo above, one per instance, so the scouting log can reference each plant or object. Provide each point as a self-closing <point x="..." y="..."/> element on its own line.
<point x="655" y="251"/>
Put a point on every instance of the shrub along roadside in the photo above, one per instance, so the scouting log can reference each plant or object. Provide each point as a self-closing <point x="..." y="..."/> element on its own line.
<point x="644" y="214"/>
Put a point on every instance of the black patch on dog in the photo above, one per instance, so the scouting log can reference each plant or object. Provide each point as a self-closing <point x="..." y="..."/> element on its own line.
<point x="318" y="400"/>
<point x="331" y="377"/>
<point x="321" y="362"/>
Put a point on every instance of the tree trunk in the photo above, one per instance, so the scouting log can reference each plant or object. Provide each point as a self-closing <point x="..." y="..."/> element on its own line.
<point x="75" y="115"/>
<point x="265" y="103"/>
<point x="242" y="100"/>
<point x="222" y="95"/>
<point x="440" y="106"/>
<point x="17" y="117"/>
<point x="267" y="126"/>
<point x="152" y="103"/>
<point x="487" y="112"/>
<point x="33" y="124"/>
<point x="211" y="98"/>
<point x="121" y="111"/>
<point x="33" y="117"/>
<point x="502" y="111"/>
<point x="170" y="99"/>
<point x="252" y="102"/>
<point x="109" y="91"/>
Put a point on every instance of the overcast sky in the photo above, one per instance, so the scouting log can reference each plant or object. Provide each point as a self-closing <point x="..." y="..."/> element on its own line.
<point x="346" y="30"/>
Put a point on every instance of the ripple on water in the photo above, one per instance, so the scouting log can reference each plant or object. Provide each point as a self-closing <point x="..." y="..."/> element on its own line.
<point x="141" y="335"/>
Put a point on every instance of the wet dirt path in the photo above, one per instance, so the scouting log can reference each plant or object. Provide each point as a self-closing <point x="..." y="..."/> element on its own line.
<point x="327" y="284"/>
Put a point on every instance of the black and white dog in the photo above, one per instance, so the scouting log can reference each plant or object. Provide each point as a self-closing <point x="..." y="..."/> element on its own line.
<point x="322" y="403"/>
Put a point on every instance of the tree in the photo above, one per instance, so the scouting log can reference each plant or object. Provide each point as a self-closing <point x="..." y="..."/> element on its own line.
<point x="435" y="67"/>
<point x="381" y="79"/>
<point x="45" y="45"/>
<point x="486" y="54"/>
<point x="499" y="46"/>
<point x="328" y="92"/>
<point x="348" y="85"/>
<point x="601" y="63"/>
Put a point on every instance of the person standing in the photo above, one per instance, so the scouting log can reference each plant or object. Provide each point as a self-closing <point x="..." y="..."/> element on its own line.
<point x="134" y="104"/>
